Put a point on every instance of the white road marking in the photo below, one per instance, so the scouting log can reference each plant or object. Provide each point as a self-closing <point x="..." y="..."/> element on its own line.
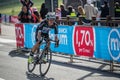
<point x="2" y="40"/>
<point x="2" y="79"/>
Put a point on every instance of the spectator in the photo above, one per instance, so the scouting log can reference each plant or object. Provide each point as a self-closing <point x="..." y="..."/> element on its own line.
<point x="90" y="10"/>
<point x="58" y="13"/>
<point x="0" y="18"/>
<point x="71" y="11"/>
<point x="35" y="15"/>
<point x="43" y="11"/>
<point x="25" y="15"/>
<point x="81" y="11"/>
<point x="63" y="11"/>
<point x="105" y="9"/>
<point x="27" y="3"/>
<point x="117" y="9"/>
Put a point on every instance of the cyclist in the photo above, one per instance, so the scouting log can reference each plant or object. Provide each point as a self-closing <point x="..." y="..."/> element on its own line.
<point x="43" y="31"/>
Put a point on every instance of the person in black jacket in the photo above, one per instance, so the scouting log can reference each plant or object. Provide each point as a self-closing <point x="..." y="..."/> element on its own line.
<point x="63" y="11"/>
<point x="117" y="9"/>
<point x="105" y="10"/>
<point x="25" y="15"/>
<point x="43" y="11"/>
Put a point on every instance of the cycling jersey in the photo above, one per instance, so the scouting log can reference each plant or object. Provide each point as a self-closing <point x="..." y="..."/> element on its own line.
<point x="44" y="28"/>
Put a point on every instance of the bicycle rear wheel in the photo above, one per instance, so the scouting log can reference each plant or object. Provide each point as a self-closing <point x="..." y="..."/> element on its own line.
<point x="45" y="65"/>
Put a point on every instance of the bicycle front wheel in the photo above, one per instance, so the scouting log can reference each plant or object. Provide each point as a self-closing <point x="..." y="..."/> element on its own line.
<point x="31" y="64"/>
<point x="45" y="62"/>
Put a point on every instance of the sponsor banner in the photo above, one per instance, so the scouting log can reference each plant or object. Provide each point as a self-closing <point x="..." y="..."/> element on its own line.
<point x="64" y="35"/>
<point x="30" y="30"/>
<point x="107" y="43"/>
<point x="19" y="30"/>
<point x="83" y="41"/>
<point x="65" y="39"/>
<point x="114" y="44"/>
<point x="97" y="42"/>
<point x="14" y="19"/>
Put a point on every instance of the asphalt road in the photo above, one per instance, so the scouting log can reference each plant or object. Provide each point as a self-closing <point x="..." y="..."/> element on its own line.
<point x="13" y="65"/>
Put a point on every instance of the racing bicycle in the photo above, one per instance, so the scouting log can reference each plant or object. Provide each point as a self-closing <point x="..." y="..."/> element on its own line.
<point x="42" y="58"/>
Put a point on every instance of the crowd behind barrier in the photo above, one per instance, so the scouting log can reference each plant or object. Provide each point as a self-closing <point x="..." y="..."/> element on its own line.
<point x="108" y="21"/>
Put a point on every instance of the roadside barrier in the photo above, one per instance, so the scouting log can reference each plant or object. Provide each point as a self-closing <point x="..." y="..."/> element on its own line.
<point x="8" y="19"/>
<point x="91" y="41"/>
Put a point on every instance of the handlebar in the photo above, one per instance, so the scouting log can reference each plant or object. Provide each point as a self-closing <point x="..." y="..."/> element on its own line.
<point x="51" y="40"/>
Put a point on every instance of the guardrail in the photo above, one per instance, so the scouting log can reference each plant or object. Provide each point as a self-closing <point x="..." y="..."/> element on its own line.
<point x="108" y="21"/>
<point x="80" y="40"/>
<point x="8" y="19"/>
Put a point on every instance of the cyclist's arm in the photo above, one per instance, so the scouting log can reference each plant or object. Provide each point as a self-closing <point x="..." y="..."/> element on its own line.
<point x="56" y="31"/>
<point x="55" y="28"/>
<point x="38" y="30"/>
<point x="39" y="36"/>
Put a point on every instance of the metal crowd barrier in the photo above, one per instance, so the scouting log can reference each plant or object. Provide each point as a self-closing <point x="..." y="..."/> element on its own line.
<point x="105" y="22"/>
<point x="108" y="21"/>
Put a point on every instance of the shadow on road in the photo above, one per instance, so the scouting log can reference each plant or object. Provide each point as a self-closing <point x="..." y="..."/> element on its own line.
<point x="32" y="76"/>
<point x="104" y="73"/>
<point x="17" y="53"/>
<point x="92" y="70"/>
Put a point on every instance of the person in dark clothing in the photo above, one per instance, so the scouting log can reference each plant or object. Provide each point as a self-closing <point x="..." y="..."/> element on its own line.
<point x="63" y="11"/>
<point x="70" y="10"/>
<point x="25" y="15"/>
<point x="43" y="11"/>
<point x="35" y="15"/>
<point x="105" y="10"/>
<point x="0" y="18"/>
<point x="117" y="9"/>
<point x="27" y="3"/>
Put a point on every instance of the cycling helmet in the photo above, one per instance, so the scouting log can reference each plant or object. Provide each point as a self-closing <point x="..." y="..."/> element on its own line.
<point x="50" y="15"/>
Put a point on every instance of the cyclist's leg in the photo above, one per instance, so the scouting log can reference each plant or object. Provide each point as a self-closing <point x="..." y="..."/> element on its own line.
<point x="46" y="50"/>
<point x="35" y="47"/>
<point x="47" y="39"/>
<point x="38" y="42"/>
